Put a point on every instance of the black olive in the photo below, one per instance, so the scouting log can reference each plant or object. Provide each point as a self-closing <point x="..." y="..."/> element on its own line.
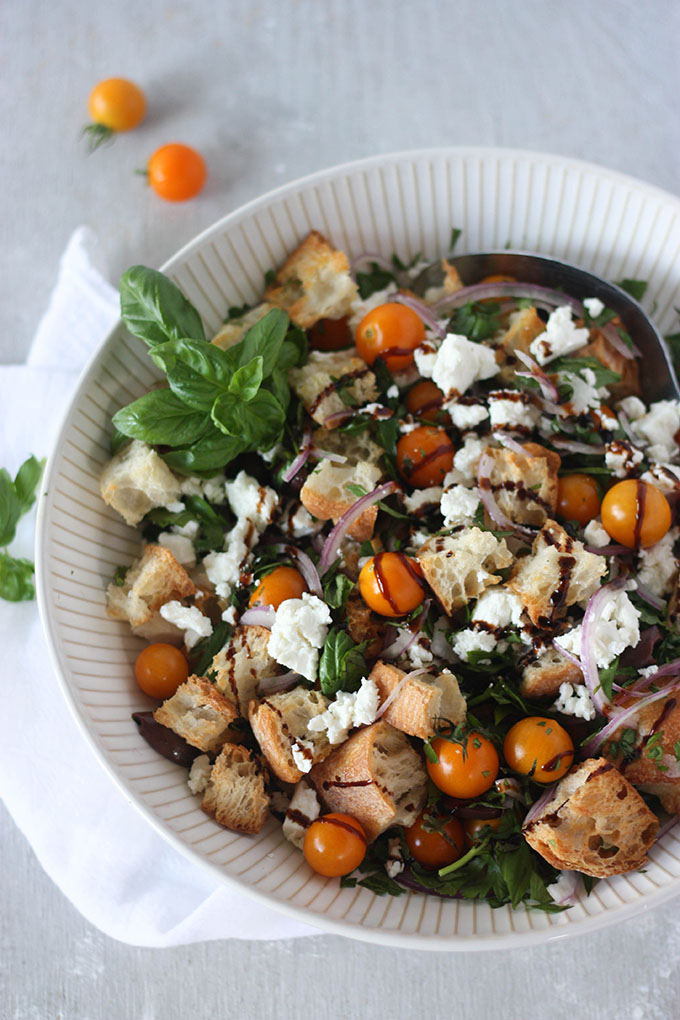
<point x="164" y="740"/>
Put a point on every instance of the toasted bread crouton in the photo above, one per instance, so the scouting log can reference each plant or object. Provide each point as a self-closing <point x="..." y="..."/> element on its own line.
<point x="233" y="331"/>
<point x="199" y="713"/>
<point x="524" y="326"/>
<point x="326" y="495"/>
<point x="376" y="777"/>
<point x="557" y="574"/>
<point x="313" y="283"/>
<point x="242" y="663"/>
<point x="628" y="368"/>
<point x="235" y="795"/>
<point x="364" y="625"/>
<point x="318" y="383"/>
<point x="543" y="677"/>
<point x="303" y="809"/>
<point x="279" y="723"/>
<point x="595" y="823"/>
<point x="525" y="488"/>
<point x="420" y="701"/>
<point x="136" y="480"/>
<point x="654" y="766"/>
<point x="353" y="446"/>
<point x="459" y="567"/>
<point x="150" y="582"/>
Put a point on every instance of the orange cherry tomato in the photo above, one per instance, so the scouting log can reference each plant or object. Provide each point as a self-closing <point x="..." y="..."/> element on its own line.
<point x="160" y="669"/>
<point x="434" y="849"/>
<point x="424" y="456"/>
<point x="635" y="513"/>
<point x="176" y="172"/>
<point x="392" y="332"/>
<point x="424" y="400"/>
<point x="334" y="845"/>
<point x="330" y="335"/>
<point x="117" y="104"/>
<point x="391" y="584"/>
<point x="283" y="583"/>
<point x="539" y="748"/>
<point x="464" y="770"/>
<point x="577" y="498"/>
<point x="474" y="828"/>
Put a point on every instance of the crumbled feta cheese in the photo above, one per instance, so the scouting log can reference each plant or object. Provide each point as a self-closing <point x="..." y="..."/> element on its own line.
<point x="499" y="607"/>
<point x="561" y="337"/>
<point x="425" y="358"/>
<point x="394" y="862"/>
<point x="269" y="455"/>
<point x="657" y="430"/>
<point x="304" y="805"/>
<point x="191" y="486"/>
<point x="622" y="458"/>
<point x="224" y="568"/>
<point x="466" y="462"/>
<point x="214" y="489"/>
<point x="459" y="363"/>
<point x="632" y="407"/>
<point x="608" y="422"/>
<point x="584" y="392"/>
<point x="564" y="889"/>
<point x="303" y="761"/>
<point x="618" y="628"/>
<point x="347" y="711"/>
<point x="466" y="416"/>
<point x="420" y="652"/>
<point x="648" y="671"/>
<point x="595" y="534"/>
<point x="248" y="499"/>
<point x="230" y="615"/>
<point x="302" y="524"/>
<point x="467" y="641"/>
<point x="199" y="773"/>
<point x="458" y="505"/>
<point x="175" y="507"/>
<point x="182" y="548"/>
<point x="377" y="410"/>
<point x="657" y="565"/>
<point x="512" y="414"/>
<point x="574" y="699"/>
<point x="408" y="426"/>
<point x="298" y="632"/>
<point x="189" y="530"/>
<point x="417" y="539"/>
<point x="190" y="619"/>
<point x="665" y="476"/>
<point x="392" y="392"/>
<point x="421" y="498"/>
<point x="593" y="306"/>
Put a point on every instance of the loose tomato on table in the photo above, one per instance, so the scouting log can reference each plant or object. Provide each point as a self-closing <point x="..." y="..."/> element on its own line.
<point x="577" y="498"/>
<point x="434" y="848"/>
<point x="540" y="748"/>
<point x="635" y="513"/>
<point x="424" y="400"/>
<point x="392" y="584"/>
<point x="391" y="331"/>
<point x="425" y="456"/>
<point x="115" y="105"/>
<point x="464" y="769"/>
<point x="160" y="669"/>
<point x="334" y="845"/>
<point x="281" y="584"/>
<point x="176" y="172"/>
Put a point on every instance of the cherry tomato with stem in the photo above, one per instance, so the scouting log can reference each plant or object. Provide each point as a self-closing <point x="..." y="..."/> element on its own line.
<point x="540" y="748"/>
<point x="466" y="769"/>
<point x="115" y="105"/>
<point x="425" y="456"/>
<point x="176" y="172"/>
<point x="281" y="584"/>
<point x="635" y="513"/>
<point x="392" y="584"/>
<point x="434" y="842"/>
<point x="334" y="845"/>
<point x="160" y="669"/>
<point x="390" y="331"/>
<point x="577" y="498"/>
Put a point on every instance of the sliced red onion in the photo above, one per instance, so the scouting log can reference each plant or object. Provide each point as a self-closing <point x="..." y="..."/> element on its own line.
<point x="647" y="596"/>
<point x="608" y="550"/>
<point x="670" y="669"/>
<point x="667" y="826"/>
<point x="573" y="446"/>
<point x="332" y="543"/>
<point x="610" y="332"/>
<point x="535" y="810"/>
<point x="574" y="659"/>
<point x="397" y="690"/>
<point x="305" y="565"/>
<point x="290" y="473"/>
<point x="548" y="388"/>
<point x="422" y="311"/>
<point x="407" y="637"/>
<point x="274" y="684"/>
<point x="627" y="427"/>
<point x="507" y="440"/>
<point x="318" y="454"/>
<point x="619" y="718"/>
<point x="259" y="616"/>
<point x="338" y="418"/>
<point x="489" y="500"/>
<point x="628" y="690"/>
<point x="570" y="882"/>
<point x="591" y="619"/>
<point x="480" y="291"/>
<point x="367" y="256"/>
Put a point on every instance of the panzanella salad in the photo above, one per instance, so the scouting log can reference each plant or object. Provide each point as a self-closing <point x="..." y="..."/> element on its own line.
<point x="408" y="574"/>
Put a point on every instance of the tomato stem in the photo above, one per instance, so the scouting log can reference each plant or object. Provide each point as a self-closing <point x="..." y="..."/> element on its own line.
<point x="96" y="135"/>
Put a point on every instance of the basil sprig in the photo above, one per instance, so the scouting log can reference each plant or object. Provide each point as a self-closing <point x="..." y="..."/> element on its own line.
<point x="219" y="403"/>
<point x="342" y="664"/>
<point x="16" y="499"/>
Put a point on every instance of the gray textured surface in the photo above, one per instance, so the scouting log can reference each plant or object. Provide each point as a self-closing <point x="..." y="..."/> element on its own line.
<point x="270" y="90"/>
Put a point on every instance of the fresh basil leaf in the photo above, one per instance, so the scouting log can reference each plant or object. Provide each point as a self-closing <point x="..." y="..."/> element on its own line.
<point x="636" y="288"/>
<point x="264" y="340"/>
<point x="27" y="481"/>
<point x="155" y="310"/>
<point x="160" y="417"/>
<point x="336" y="590"/>
<point x="376" y="279"/>
<point x="205" y="650"/>
<point x="207" y="455"/>
<point x="342" y="664"/>
<point x="116" y="440"/>
<point x="212" y="524"/>
<point x="196" y="371"/>
<point x="277" y="384"/>
<point x="381" y="884"/>
<point x="603" y="376"/>
<point x="453" y="241"/>
<point x="517" y="867"/>
<point x="163" y="518"/>
<point x="226" y="414"/>
<point x="16" y="579"/>
<point x="295" y="348"/>
<point x="119" y="576"/>
<point x="10" y="508"/>
<point x="247" y="379"/>
<point x="258" y="423"/>
<point x="476" y="320"/>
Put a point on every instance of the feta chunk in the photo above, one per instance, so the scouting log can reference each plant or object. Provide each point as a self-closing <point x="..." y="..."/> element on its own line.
<point x="459" y="506"/>
<point x="298" y="632"/>
<point x="394" y="863"/>
<point x="252" y="501"/>
<point x="420" y="652"/>
<point x="561" y="337"/>
<point x="657" y="565"/>
<point x="190" y="619"/>
<point x="199" y="774"/>
<point x="657" y="430"/>
<point x="584" y="391"/>
<point x="622" y="458"/>
<point x="304" y="805"/>
<point x="512" y="410"/>
<point x="182" y="548"/>
<point x="224" y="568"/>
<point x="467" y="641"/>
<point x="595" y="534"/>
<point x="618" y="628"/>
<point x="574" y="699"/>
<point x="632" y="407"/>
<point x="466" y="462"/>
<point x="303" y="760"/>
<point x="422" y="498"/>
<point x="459" y="363"/>
<point x="466" y="416"/>
<point x="301" y="524"/>
<point x="593" y="306"/>
<point x="665" y="476"/>
<point x="347" y="711"/>
<point x="230" y="615"/>
<point x="392" y="392"/>
<point x="498" y="607"/>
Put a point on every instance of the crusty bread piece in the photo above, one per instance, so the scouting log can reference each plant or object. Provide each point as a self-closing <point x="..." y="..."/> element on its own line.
<point x="543" y="677"/>
<point x="524" y="326"/>
<point x="317" y="383"/>
<point x="326" y="496"/>
<point x="234" y="331"/>
<point x="199" y="713"/>
<point x="242" y="663"/>
<point x="303" y="809"/>
<point x="596" y="823"/>
<point x="628" y="368"/>
<point x="421" y="700"/>
<point x="459" y="567"/>
<point x="557" y="574"/>
<point x="150" y="582"/>
<point x="279" y="723"/>
<point x="364" y="625"/>
<point x="525" y="488"/>
<point x="376" y="777"/>
<point x="136" y="480"/>
<point x="661" y="718"/>
<point x="235" y="795"/>
<point x="354" y="446"/>
<point x="313" y="283"/>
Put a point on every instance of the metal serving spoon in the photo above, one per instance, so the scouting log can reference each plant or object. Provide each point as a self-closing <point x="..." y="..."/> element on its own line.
<point x="657" y="375"/>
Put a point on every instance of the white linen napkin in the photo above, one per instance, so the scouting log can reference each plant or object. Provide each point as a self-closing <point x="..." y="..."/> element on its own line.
<point x="114" y="868"/>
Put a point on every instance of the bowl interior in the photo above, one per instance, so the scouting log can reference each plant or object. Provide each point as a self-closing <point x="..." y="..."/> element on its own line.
<point x="406" y="204"/>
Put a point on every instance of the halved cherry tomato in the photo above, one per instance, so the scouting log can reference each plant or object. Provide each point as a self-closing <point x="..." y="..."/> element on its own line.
<point x="577" y="498"/>
<point x="391" y="331"/>
<point x="424" y="456"/>
<point x="464" y="770"/>
<point x="283" y="583"/>
<point x="391" y="584"/>
<point x="334" y="845"/>
<point x="540" y="748"/>
<point x="117" y="104"/>
<point x="434" y="849"/>
<point x="635" y="513"/>
<point x="330" y="335"/>
<point x="176" y="172"/>
<point x="424" y="400"/>
<point x="474" y="828"/>
<point x="160" y="669"/>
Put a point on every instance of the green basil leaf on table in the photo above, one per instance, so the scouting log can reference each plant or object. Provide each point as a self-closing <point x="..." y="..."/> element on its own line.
<point x="154" y="309"/>
<point x="27" y="481"/>
<point x="16" y="579"/>
<point x="342" y="664"/>
<point x="161" y="417"/>
<point x="10" y="508"/>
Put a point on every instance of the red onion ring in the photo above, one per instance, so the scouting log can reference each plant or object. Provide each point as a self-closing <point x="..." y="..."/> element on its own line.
<point x="667" y="826"/>
<point x="406" y="639"/>
<point x="290" y="473"/>
<point x="318" y="454"/>
<point x="591" y="619"/>
<point x="647" y="596"/>
<point x="535" y="810"/>
<point x="610" y="333"/>
<point x="507" y="440"/>
<point x="548" y="388"/>
<point x="574" y="659"/>
<point x="274" y="684"/>
<point x="259" y="616"/>
<point x="670" y="669"/>
<point x="619" y="718"/>
<point x="488" y="499"/>
<point x="333" y="420"/>
<point x="608" y="550"/>
<point x="366" y="256"/>
<point x="573" y="446"/>
<point x="627" y="427"/>
<point x="393" y="695"/>
<point x="305" y="565"/>
<point x="422" y="311"/>
<point x="332" y="543"/>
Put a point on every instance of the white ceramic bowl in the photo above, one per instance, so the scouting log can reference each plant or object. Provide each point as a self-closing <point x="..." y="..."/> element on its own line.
<point x="404" y="203"/>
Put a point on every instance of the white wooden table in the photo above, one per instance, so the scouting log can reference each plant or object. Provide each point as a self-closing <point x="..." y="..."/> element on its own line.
<point x="269" y="91"/>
